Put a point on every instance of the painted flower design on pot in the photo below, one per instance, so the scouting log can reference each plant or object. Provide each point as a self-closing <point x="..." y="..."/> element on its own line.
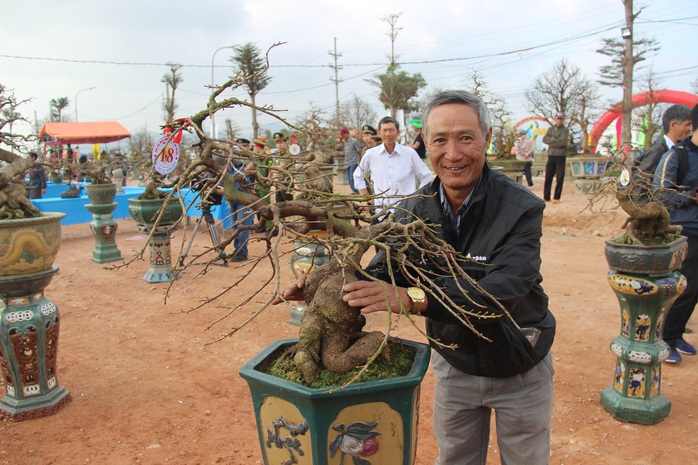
<point x="356" y="440"/>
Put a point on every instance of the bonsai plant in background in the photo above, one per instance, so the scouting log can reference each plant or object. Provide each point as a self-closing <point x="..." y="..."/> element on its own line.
<point x="101" y="192"/>
<point x="295" y="417"/>
<point x="29" y="322"/>
<point x="643" y="274"/>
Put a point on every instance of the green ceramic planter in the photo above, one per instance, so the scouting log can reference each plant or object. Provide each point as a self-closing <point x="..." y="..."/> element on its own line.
<point x="100" y="194"/>
<point x="29" y="245"/>
<point x="144" y="212"/>
<point x="371" y="423"/>
<point x="652" y="260"/>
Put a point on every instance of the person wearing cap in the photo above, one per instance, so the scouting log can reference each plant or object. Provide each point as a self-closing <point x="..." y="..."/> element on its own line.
<point x="557" y="139"/>
<point x="352" y="155"/>
<point x="369" y="138"/>
<point x="418" y="141"/>
<point x="523" y="149"/>
<point x="240" y="216"/>
<point x="243" y="143"/>
<point x="283" y="158"/>
<point x="394" y="169"/>
<point x="262" y="162"/>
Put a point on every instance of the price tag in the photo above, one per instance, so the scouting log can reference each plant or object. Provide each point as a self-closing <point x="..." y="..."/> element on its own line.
<point x="624" y="177"/>
<point x="165" y="155"/>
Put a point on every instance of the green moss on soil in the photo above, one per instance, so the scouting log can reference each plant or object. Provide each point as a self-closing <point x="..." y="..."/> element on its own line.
<point x="647" y="240"/>
<point x="401" y="359"/>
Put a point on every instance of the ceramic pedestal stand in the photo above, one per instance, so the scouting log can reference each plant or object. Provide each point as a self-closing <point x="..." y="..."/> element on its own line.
<point x="645" y="280"/>
<point x="587" y="171"/>
<point x="29" y="327"/>
<point x="342" y="178"/>
<point x="144" y="212"/>
<point x="104" y="229"/>
<point x="160" y="269"/>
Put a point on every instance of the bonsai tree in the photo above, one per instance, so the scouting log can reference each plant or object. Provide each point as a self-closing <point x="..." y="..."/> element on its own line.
<point x="648" y="219"/>
<point x="14" y="203"/>
<point x="331" y="333"/>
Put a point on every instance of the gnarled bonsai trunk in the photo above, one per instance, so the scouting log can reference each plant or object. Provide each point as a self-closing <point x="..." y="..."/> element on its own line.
<point x="331" y="334"/>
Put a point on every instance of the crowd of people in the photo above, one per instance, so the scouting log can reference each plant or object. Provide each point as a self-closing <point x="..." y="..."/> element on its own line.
<point x="495" y="220"/>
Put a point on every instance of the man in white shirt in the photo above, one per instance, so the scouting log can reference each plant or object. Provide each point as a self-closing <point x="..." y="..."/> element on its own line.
<point x="394" y="169"/>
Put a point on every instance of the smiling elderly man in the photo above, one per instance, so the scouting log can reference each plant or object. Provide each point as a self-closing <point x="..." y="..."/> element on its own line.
<point x="487" y="216"/>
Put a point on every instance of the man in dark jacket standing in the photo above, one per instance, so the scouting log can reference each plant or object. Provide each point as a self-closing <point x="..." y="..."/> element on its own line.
<point x="557" y="139"/>
<point x="681" y="198"/>
<point x="676" y="124"/>
<point x="498" y="224"/>
<point x="37" y="179"/>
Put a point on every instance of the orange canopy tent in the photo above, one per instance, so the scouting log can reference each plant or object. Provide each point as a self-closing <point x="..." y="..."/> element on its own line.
<point x="83" y="133"/>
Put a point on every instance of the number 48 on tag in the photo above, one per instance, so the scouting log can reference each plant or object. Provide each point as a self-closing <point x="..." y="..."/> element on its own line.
<point x="165" y="154"/>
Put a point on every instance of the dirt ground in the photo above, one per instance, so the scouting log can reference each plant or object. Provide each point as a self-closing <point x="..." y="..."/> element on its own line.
<point x="147" y="389"/>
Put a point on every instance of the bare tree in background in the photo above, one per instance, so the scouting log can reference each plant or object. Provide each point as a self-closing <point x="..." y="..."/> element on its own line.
<point x="172" y="80"/>
<point x="356" y="112"/>
<point x="649" y="116"/>
<point x="567" y="90"/>
<point x="231" y="129"/>
<point x="502" y="132"/>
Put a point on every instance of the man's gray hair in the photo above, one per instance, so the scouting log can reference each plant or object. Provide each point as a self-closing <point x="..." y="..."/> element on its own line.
<point x="460" y="97"/>
<point x="678" y="113"/>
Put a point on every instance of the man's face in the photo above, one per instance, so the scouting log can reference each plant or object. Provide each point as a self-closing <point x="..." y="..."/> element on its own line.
<point x="456" y="147"/>
<point x="368" y="138"/>
<point x="281" y="144"/>
<point x="344" y="136"/>
<point x="388" y="132"/>
<point x="559" y="121"/>
<point x="679" y="130"/>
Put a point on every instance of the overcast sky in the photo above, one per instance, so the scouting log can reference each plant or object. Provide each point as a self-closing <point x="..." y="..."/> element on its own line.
<point x="52" y="49"/>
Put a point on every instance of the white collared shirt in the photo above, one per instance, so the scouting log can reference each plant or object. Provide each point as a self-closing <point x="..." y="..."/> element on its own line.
<point x="399" y="173"/>
<point x="669" y="143"/>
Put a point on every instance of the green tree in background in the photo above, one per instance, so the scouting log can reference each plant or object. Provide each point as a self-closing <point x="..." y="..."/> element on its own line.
<point x="252" y="64"/>
<point x="57" y="106"/>
<point x="397" y="88"/>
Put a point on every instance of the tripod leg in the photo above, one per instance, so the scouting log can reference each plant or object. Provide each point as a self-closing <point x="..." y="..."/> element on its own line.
<point x="215" y="237"/>
<point x="191" y="240"/>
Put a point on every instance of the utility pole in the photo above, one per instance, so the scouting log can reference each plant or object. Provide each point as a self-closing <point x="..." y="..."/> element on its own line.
<point x="628" y="64"/>
<point x="336" y="80"/>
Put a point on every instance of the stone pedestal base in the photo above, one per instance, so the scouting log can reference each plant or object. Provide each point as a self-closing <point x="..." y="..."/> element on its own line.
<point x="644" y="412"/>
<point x="342" y="178"/>
<point x="160" y="269"/>
<point x="104" y="229"/>
<point x="587" y="186"/>
<point x="29" y="327"/>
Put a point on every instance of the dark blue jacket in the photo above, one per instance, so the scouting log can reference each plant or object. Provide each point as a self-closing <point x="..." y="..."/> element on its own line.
<point x="680" y="200"/>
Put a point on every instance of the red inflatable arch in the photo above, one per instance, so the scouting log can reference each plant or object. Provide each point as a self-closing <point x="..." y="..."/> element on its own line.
<point x="657" y="96"/>
<point x="527" y="119"/>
